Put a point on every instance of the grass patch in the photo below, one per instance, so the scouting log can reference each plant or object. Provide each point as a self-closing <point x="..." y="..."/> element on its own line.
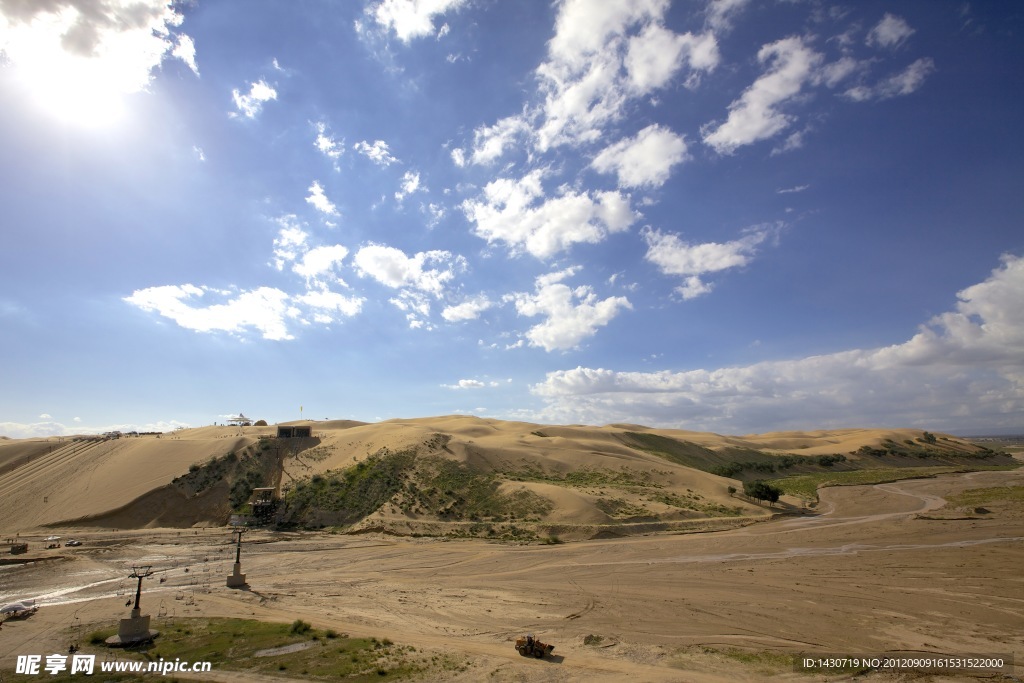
<point x="586" y="477"/>
<point x="620" y="509"/>
<point x="807" y="485"/>
<point x="696" y="503"/>
<point x="347" y="496"/>
<point x="749" y="464"/>
<point x="248" y="645"/>
<point x="455" y="491"/>
<point x="970" y="497"/>
<point x="100" y="637"/>
<point x="762" y="662"/>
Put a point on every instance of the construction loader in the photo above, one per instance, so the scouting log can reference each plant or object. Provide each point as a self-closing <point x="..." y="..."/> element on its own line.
<point x="528" y="645"/>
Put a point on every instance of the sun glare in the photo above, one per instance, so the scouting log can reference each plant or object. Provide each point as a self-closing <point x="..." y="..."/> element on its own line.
<point x="75" y="96"/>
<point x="83" y="81"/>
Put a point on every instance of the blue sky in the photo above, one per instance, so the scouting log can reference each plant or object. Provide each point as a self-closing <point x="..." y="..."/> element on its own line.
<point x="733" y="216"/>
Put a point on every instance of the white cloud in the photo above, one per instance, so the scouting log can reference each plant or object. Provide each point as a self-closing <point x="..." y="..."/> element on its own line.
<point x="645" y="160"/>
<point x="470" y="384"/>
<point x="320" y="261"/>
<point x="510" y="212"/>
<point x="891" y="31"/>
<point x="185" y="50"/>
<point x="577" y="106"/>
<point x="467" y="310"/>
<point x="792" y="190"/>
<point x="584" y="28"/>
<point x="411" y="18"/>
<point x="80" y="58"/>
<point x="393" y="268"/>
<point x="755" y="115"/>
<point x="378" y="152"/>
<point x="263" y="309"/>
<point x="198" y="151"/>
<point x="962" y="370"/>
<point x="251" y="104"/>
<point x="410" y="183"/>
<point x="319" y="200"/>
<point x="459" y="157"/>
<point x="673" y="256"/>
<point x="794" y="140"/>
<point x="721" y="13"/>
<point x="46" y="416"/>
<point x="570" y="314"/>
<point x="655" y="56"/>
<point x="490" y="142"/>
<point x="291" y="246"/>
<point x="291" y="241"/>
<point x="835" y="72"/>
<point x="602" y="56"/>
<point x="902" y="83"/>
<point x="327" y="145"/>
<point x="434" y="213"/>
<point x="326" y="304"/>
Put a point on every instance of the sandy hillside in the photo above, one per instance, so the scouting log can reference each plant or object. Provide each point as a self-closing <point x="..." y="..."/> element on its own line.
<point x="551" y="476"/>
<point x="61" y="479"/>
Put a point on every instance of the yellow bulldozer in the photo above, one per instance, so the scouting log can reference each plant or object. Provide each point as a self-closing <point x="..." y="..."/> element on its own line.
<point x="529" y="646"/>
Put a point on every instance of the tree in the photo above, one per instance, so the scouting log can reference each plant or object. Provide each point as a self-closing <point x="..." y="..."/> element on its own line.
<point x="761" y="490"/>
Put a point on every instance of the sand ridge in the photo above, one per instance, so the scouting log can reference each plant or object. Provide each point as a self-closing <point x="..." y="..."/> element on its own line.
<point x="128" y="481"/>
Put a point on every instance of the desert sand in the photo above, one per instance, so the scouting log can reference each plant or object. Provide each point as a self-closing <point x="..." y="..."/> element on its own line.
<point x="873" y="569"/>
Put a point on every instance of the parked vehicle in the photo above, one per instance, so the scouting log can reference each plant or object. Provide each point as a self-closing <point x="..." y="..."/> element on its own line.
<point x="528" y="645"/>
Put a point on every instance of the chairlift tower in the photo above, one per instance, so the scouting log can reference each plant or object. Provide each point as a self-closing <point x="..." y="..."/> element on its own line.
<point x="135" y="629"/>
<point x="237" y="579"/>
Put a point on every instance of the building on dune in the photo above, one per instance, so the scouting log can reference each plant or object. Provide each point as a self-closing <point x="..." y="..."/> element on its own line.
<point x="294" y="431"/>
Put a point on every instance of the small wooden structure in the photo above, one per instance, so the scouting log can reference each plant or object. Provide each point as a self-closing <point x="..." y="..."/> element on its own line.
<point x="264" y="504"/>
<point x="294" y="431"/>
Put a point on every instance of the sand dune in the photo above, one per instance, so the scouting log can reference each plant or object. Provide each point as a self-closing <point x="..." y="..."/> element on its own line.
<point x="50" y="481"/>
<point x="78" y="478"/>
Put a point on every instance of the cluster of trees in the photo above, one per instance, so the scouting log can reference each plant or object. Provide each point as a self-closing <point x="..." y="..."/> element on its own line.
<point x="778" y="463"/>
<point x="761" y="490"/>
